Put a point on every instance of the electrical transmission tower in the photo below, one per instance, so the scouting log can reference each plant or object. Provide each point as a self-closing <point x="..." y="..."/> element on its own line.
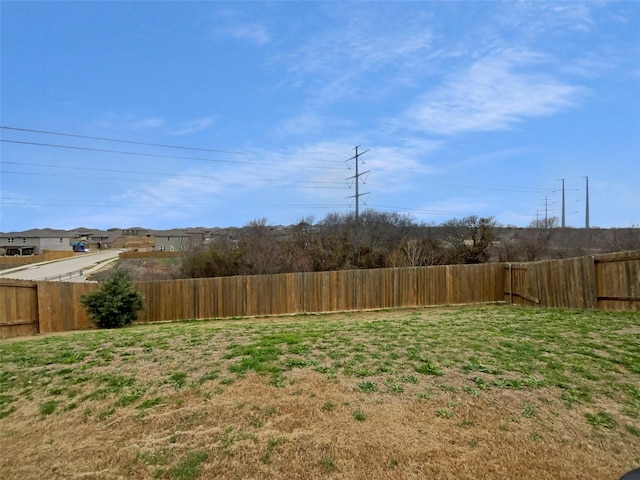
<point x="563" y="215"/>
<point x="586" y="210"/>
<point x="356" y="177"/>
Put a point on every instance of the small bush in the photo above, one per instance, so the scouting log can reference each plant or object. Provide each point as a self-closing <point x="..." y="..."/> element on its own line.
<point x="116" y="303"/>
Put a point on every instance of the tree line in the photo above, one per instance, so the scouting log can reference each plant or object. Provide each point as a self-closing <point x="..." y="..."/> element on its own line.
<point x="342" y="241"/>
<point x="382" y="240"/>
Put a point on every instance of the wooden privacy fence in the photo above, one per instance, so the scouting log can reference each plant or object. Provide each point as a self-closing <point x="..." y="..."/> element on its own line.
<point x="608" y="281"/>
<point x="611" y="282"/>
<point x="56" y="307"/>
<point x="18" y="308"/>
<point x="47" y="256"/>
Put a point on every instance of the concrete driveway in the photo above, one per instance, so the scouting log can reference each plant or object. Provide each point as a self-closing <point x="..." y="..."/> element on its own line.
<point x="73" y="269"/>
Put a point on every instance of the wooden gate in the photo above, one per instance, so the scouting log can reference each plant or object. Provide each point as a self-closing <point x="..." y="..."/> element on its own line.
<point x="568" y="283"/>
<point x="19" y="312"/>
<point x="618" y="279"/>
<point x="517" y="285"/>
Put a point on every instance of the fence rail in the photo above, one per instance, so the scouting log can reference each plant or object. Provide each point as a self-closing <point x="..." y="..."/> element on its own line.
<point x="607" y="282"/>
<point x="63" y="276"/>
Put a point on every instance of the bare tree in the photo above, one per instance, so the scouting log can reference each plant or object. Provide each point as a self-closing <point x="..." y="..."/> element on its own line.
<point x="469" y="240"/>
<point x="546" y="223"/>
<point x="416" y="252"/>
<point x="372" y="236"/>
<point x="261" y="251"/>
<point x="625" y="239"/>
<point x="303" y="246"/>
<point x="533" y="243"/>
<point x="219" y="259"/>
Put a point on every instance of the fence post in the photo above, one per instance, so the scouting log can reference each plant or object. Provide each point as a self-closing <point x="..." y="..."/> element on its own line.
<point x="510" y="286"/>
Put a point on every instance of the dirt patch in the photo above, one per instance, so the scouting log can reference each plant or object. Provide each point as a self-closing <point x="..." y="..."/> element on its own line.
<point x="144" y="269"/>
<point x="630" y="331"/>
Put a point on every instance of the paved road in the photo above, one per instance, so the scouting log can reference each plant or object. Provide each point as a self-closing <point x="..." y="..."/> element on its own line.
<point x="63" y="270"/>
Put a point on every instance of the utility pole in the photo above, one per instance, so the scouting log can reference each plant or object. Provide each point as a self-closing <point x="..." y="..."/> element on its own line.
<point x="546" y="213"/>
<point x="563" y="223"/>
<point x="357" y="176"/>
<point x="586" y="211"/>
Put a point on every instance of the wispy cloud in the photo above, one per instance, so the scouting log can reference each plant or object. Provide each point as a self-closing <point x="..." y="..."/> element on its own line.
<point x="146" y="123"/>
<point x="301" y="124"/>
<point x="544" y="18"/>
<point x="304" y="177"/>
<point x="133" y="123"/>
<point x="193" y="126"/>
<point x="127" y="121"/>
<point x="240" y="25"/>
<point x="494" y="93"/>
<point x="342" y="62"/>
<point x="253" y="32"/>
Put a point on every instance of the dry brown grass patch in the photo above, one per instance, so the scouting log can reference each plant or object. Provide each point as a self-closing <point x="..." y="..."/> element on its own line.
<point x="357" y="409"/>
<point x="255" y="430"/>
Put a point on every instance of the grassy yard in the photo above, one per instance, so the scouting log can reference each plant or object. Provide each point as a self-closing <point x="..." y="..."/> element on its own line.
<point x="475" y="392"/>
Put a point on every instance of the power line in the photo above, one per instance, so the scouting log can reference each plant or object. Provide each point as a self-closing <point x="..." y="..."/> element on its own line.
<point x="121" y="152"/>
<point x="497" y="189"/>
<point x="118" y="141"/>
<point x="152" y="155"/>
<point x="174" y="175"/>
<point x="61" y="203"/>
<point x="440" y="212"/>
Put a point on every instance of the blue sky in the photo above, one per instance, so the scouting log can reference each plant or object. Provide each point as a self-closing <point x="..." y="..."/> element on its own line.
<point x="463" y="108"/>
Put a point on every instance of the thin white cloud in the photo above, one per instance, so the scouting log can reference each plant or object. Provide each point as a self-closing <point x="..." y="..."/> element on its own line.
<point x="544" y="18"/>
<point x="494" y="93"/>
<point x="341" y="63"/>
<point x="356" y="50"/>
<point x="133" y="123"/>
<point x="253" y="32"/>
<point x="127" y="121"/>
<point x="193" y="126"/>
<point x="240" y="25"/>
<point x="508" y="154"/>
<point x="592" y="64"/>
<point x="302" y="124"/>
<point x="305" y="177"/>
<point x="147" y="123"/>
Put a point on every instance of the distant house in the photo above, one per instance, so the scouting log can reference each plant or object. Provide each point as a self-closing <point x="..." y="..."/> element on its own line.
<point x="175" y="240"/>
<point x="133" y="238"/>
<point x="96" y="239"/>
<point x="136" y="232"/>
<point x="35" y="241"/>
<point x="197" y="237"/>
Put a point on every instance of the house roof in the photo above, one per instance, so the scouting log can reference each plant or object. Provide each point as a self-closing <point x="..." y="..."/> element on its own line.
<point x="174" y="232"/>
<point x="38" y="233"/>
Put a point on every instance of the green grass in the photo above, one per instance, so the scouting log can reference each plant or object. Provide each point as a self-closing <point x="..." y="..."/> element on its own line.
<point x="601" y="419"/>
<point x="48" y="407"/>
<point x="327" y="464"/>
<point x="272" y="443"/>
<point x="188" y="469"/>
<point x="359" y="415"/>
<point x="444" y="413"/>
<point x="368" y="387"/>
<point x="583" y="356"/>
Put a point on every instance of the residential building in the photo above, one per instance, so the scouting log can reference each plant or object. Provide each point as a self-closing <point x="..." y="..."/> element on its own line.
<point x="35" y="241"/>
<point x="175" y="240"/>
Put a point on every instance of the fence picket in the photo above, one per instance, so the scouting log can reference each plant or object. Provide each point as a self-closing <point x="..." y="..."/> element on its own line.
<point x="607" y="281"/>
